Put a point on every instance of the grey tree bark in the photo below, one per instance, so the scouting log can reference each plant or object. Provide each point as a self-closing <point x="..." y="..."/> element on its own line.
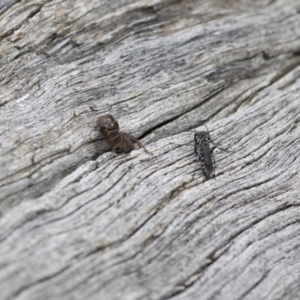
<point x="79" y="222"/>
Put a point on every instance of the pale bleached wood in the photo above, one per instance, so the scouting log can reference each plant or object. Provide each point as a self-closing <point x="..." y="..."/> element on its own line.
<point x="77" y="221"/>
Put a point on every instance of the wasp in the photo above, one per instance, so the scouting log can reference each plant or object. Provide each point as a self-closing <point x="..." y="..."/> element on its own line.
<point x="117" y="139"/>
<point x="205" y="154"/>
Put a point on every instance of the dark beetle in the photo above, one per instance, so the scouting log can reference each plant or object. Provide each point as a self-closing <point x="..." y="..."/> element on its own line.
<point x="117" y="139"/>
<point x="204" y="153"/>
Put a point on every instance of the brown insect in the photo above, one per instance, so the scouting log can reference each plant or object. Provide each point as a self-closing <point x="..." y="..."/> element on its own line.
<point x="119" y="140"/>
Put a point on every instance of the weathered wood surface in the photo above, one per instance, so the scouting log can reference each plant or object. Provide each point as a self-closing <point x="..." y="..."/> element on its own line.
<point x="78" y="222"/>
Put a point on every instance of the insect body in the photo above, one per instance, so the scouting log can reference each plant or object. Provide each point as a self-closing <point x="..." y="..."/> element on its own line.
<point x="205" y="154"/>
<point x="119" y="140"/>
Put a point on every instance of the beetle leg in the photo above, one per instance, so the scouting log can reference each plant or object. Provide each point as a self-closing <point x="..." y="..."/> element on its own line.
<point x="115" y="147"/>
<point x="217" y="146"/>
<point x="135" y="140"/>
<point x="118" y="145"/>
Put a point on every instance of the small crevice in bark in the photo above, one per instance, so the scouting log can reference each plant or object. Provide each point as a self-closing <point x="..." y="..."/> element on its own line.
<point x="212" y="258"/>
<point x="53" y="157"/>
<point x="19" y="291"/>
<point x="169" y="121"/>
<point x="290" y="66"/>
<point x="30" y="15"/>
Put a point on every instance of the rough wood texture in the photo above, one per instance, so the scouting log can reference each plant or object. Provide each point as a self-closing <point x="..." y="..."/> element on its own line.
<point x="77" y="221"/>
